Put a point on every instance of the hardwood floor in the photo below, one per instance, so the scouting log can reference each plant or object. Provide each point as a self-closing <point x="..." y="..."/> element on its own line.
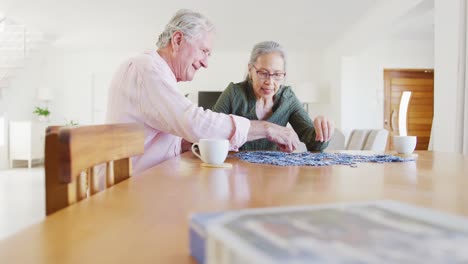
<point x="22" y="195"/>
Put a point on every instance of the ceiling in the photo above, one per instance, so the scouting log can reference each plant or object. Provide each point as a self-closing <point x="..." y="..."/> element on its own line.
<point x="418" y="23"/>
<point x="134" y="24"/>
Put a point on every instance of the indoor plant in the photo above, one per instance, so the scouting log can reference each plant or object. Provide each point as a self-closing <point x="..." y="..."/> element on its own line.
<point x="42" y="113"/>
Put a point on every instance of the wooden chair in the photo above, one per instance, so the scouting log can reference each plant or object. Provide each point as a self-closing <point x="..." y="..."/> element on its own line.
<point x="71" y="154"/>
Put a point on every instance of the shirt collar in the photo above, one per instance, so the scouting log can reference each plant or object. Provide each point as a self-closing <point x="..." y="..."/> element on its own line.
<point x="164" y="66"/>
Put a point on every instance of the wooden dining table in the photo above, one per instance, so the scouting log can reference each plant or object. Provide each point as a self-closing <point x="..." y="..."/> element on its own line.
<point x="146" y="219"/>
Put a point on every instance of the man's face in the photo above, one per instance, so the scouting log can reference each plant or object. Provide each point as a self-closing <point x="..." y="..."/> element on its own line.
<point x="192" y="55"/>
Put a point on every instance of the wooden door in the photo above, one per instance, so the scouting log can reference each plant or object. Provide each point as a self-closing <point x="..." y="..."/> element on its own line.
<point x="421" y="106"/>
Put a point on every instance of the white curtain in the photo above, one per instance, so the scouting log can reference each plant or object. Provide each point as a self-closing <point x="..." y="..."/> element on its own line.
<point x="462" y="89"/>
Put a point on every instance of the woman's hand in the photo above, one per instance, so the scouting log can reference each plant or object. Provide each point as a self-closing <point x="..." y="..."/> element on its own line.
<point x="324" y="129"/>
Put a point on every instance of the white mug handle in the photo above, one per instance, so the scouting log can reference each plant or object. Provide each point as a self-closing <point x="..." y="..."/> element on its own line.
<point x="194" y="151"/>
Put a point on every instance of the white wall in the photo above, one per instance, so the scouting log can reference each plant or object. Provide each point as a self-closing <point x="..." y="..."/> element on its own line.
<point x="88" y="71"/>
<point x="225" y="67"/>
<point x="362" y="84"/>
<point x="332" y="73"/>
<point x="74" y="76"/>
<point x="340" y="60"/>
<point x="17" y="101"/>
<point x="446" y="74"/>
<point x="79" y="80"/>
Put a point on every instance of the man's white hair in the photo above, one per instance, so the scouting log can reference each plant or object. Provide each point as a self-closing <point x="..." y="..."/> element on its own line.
<point x="192" y="24"/>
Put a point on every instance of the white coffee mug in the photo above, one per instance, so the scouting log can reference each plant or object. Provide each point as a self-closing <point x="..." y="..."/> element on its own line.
<point x="404" y="144"/>
<point x="212" y="151"/>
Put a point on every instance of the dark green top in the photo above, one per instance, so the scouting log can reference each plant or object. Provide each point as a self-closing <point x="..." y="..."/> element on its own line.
<point x="239" y="99"/>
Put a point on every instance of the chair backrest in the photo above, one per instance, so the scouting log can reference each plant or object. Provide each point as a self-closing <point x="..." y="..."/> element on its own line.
<point x="71" y="154"/>
<point x="357" y="139"/>
<point x="337" y="142"/>
<point x="376" y="140"/>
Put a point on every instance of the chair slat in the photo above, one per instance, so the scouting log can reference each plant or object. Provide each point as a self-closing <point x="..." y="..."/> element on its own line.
<point x="72" y="156"/>
<point x="122" y="169"/>
<point x="56" y="192"/>
<point x="110" y="173"/>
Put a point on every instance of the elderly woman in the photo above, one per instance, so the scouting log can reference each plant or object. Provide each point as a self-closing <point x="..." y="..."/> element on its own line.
<point x="144" y="90"/>
<point x="262" y="96"/>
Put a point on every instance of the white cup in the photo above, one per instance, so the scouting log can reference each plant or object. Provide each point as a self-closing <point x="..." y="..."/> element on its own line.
<point x="212" y="151"/>
<point x="404" y="144"/>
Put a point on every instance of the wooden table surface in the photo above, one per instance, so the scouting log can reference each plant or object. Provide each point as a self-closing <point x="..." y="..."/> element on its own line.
<point x="145" y="219"/>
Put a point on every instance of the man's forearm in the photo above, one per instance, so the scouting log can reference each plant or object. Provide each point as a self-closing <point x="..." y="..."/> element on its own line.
<point x="258" y="130"/>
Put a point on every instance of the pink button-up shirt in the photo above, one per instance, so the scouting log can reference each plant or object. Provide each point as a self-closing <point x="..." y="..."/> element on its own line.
<point x="144" y="91"/>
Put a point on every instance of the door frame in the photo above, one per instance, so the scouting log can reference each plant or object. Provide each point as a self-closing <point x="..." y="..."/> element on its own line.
<point x="403" y="72"/>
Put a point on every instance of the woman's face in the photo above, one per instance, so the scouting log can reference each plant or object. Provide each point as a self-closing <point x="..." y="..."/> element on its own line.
<point x="267" y="75"/>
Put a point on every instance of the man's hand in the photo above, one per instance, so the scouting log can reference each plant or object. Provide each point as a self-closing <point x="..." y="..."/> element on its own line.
<point x="324" y="128"/>
<point x="185" y="146"/>
<point x="285" y="137"/>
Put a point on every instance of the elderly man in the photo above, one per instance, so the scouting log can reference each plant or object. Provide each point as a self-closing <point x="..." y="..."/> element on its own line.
<point x="144" y="91"/>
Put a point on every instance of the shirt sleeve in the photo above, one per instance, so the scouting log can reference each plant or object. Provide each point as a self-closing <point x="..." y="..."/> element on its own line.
<point x="303" y="125"/>
<point x="166" y="108"/>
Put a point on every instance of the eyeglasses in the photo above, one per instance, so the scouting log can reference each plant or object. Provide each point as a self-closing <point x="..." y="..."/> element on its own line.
<point x="264" y="75"/>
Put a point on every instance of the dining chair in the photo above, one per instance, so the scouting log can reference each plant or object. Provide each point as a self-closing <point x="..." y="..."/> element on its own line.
<point x="337" y="142"/>
<point x="357" y="139"/>
<point x="376" y="140"/>
<point x="368" y="139"/>
<point x="72" y="155"/>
